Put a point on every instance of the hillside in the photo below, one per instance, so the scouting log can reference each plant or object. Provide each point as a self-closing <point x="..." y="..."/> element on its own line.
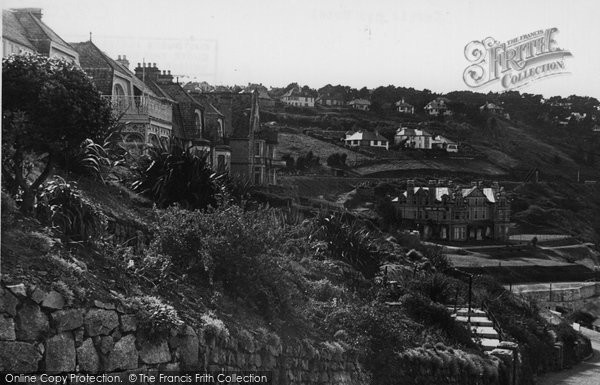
<point x="256" y="274"/>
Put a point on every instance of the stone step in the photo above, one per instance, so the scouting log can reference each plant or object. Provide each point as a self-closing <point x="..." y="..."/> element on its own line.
<point x="485" y="332"/>
<point x="475" y="320"/>
<point x="489" y="344"/>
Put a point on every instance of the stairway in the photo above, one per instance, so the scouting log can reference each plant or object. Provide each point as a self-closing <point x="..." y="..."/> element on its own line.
<point x="481" y="326"/>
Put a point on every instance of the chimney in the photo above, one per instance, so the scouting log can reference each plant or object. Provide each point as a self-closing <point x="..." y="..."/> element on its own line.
<point x="37" y="12"/>
<point x="165" y="77"/>
<point x="123" y="61"/>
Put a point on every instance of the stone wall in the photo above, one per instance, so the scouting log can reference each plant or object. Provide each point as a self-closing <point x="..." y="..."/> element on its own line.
<point x="40" y="333"/>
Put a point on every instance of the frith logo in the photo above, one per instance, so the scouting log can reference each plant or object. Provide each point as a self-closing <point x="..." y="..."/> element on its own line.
<point x="515" y="63"/>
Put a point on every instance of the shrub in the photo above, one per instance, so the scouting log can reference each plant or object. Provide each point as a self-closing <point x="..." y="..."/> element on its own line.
<point x="65" y="291"/>
<point x="179" y="177"/>
<point x="62" y="205"/>
<point x="155" y="318"/>
<point x="349" y="240"/>
<point x="213" y="327"/>
<point x="240" y="251"/>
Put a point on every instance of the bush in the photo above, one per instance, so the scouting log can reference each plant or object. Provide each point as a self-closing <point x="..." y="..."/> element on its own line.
<point x="213" y="327"/>
<point x="155" y="318"/>
<point x="179" y="177"/>
<point x="240" y="251"/>
<point x="62" y="205"/>
<point x="349" y="240"/>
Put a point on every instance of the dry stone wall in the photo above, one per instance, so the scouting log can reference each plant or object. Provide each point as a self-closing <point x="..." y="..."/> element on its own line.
<point x="40" y="333"/>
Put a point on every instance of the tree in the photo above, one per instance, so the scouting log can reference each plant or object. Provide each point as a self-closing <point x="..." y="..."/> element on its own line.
<point x="50" y="107"/>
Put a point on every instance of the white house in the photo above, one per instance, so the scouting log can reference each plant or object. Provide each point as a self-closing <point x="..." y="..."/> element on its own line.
<point x="421" y="139"/>
<point x="413" y="138"/>
<point x="366" y="139"/>
<point x="438" y="106"/>
<point x="360" y="104"/>
<point x="404" y="107"/>
<point x="295" y="97"/>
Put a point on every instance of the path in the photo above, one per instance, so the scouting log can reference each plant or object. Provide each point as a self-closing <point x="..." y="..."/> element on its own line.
<point x="585" y="373"/>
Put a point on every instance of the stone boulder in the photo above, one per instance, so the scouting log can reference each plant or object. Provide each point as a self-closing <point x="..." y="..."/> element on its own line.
<point x="100" y="322"/>
<point x="67" y="319"/>
<point x="128" y="323"/>
<point x="8" y="302"/>
<point x="19" y="357"/>
<point x="31" y="323"/>
<point x="7" y="329"/>
<point x="87" y="357"/>
<point x="124" y="355"/>
<point x="53" y="300"/>
<point x="154" y="352"/>
<point x="186" y="344"/>
<point x="60" y="353"/>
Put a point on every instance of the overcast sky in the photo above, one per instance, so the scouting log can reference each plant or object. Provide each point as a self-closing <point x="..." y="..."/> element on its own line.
<point x="358" y="43"/>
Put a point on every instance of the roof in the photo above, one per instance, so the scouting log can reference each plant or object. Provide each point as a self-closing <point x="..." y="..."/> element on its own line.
<point x="488" y="192"/>
<point x="296" y="92"/>
<point x="438" y="103"/>
<point x="96" y="63"/>
<point x="403" y="131"/>
<point x="402" y="103"/>
<point x="262" y="91"/>
<point x="13" y="30"/>
<point x="365" y="135"/>
<point x="360" y="101"/>
<point x="23" y="24"/>
<point x="490" y="106"/>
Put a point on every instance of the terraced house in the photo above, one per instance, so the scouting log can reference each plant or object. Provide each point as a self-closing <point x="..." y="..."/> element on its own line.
<point x="148" y="116"/>
<point x="442" y="211"/>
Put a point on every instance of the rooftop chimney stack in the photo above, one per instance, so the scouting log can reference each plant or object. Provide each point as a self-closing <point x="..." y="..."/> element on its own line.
<point x="123" y="61"/>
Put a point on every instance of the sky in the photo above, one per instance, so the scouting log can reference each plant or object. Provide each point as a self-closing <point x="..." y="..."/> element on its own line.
<point x="418" y="44"/>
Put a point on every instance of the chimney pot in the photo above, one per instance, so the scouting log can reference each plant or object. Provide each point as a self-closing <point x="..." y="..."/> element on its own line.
<point x="154" y="65"/>
<point x="139" y="65"/>
<point x="124" y="57"/>
<point x="119" y="57"/>
<point x="169" y="72"/>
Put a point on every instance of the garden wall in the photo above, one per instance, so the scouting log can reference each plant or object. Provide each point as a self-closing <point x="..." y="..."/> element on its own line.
<point x="40" y="333"/>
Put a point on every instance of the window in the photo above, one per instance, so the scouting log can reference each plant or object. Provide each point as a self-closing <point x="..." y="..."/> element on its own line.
<point x="221" y="163"/>
<point x="257" y="149"/>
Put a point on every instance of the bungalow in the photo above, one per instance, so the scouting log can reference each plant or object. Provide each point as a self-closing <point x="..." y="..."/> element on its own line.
<point x="366" y="139"/>
<point x="298" y="98"/>
<point x="404" y="107"/>
<point x="360" y="104"/>
<point x="438" y="106"/>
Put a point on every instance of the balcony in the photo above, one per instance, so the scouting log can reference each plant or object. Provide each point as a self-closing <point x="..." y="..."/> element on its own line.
<point x="140" y="108"/>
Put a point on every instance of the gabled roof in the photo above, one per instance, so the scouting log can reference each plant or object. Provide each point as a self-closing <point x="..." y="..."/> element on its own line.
<point x="439" y="102"/>
<point x="360" y="102"/>
<point x="296" y="92"/>
<point x="24" y="24"/>
<point x="403" y="131"/>
<point x="365" y="135"/>
<point x="13" y="30"/>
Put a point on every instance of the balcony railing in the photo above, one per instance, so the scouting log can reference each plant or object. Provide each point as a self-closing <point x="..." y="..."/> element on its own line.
<point x="146" y="106"/>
